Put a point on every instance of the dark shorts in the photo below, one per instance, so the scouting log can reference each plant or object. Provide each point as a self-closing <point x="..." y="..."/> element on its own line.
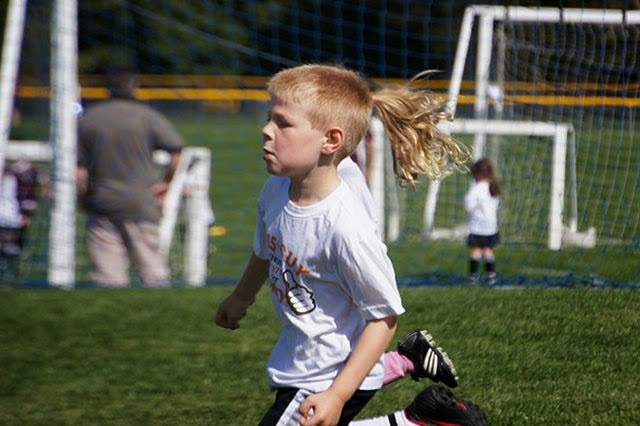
<point x="474" y="240"/>
<point x="285" y="403"/>
<point x="10" y="242"/>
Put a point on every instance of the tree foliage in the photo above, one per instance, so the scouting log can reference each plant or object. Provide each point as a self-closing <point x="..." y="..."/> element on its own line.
<point x="390" y="38"/>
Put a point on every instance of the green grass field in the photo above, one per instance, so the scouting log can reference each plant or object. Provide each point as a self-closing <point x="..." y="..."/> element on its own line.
<point x="529" y="352"/>
<point x="153" y="357"/>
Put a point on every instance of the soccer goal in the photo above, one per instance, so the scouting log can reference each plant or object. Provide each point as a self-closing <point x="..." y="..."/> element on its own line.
<point x="188" y="192"/>
<point x="569" y="76"/>
<point x="187" y="196"/>
<point x="561" y="141"/>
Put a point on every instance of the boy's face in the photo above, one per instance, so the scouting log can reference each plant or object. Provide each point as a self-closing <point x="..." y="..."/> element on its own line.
<point x="291" y="146"/>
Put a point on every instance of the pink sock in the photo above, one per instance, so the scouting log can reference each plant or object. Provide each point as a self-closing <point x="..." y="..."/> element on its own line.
<point x="396" y="366"/>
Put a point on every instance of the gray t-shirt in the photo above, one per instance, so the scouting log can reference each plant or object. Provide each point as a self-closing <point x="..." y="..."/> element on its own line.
<point x="116" y="140"/>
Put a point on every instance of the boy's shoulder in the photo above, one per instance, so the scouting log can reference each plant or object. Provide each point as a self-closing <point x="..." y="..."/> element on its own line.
<point x="354" y="218"/>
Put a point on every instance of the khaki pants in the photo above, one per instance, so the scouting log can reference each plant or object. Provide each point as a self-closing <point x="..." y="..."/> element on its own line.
<point x="112" y="243"/>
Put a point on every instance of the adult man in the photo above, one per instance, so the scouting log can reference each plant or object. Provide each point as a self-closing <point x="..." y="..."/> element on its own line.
<point x="119" y="186"/>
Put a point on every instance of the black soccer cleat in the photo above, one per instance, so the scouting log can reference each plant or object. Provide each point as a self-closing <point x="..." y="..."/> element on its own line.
<point x="429" y="360"/>
<point x="438" y="406"/>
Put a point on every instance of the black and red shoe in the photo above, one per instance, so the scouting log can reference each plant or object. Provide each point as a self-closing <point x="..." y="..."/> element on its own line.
<point x="438" y="406"/>
<point x="428" y="359"/>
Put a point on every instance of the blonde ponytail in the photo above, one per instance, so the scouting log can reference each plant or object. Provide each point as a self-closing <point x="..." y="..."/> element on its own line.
<point x="411" y="120"/>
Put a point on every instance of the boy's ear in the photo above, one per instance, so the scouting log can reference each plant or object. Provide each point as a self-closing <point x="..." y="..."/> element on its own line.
<point x="333" y="140"/>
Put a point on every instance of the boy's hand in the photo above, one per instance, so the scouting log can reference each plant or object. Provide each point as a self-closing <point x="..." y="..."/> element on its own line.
<point x="231" y="311"/>
<point x="234" y="307"/>
<point x="321" y="409"/>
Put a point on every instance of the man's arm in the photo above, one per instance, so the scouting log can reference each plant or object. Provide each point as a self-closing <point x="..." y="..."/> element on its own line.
<point x="82" y="180"/>
<point x="160" y="189"/>
<point x="173" y="165"/>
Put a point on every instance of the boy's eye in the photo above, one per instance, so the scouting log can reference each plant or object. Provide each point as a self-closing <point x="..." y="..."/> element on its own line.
<point x="280" y="121"/>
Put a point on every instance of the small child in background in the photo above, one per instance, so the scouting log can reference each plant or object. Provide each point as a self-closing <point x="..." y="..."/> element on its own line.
<point x="30" y="183"/>
<point x="10" y="217"/>
<point x="19" y="187"/>
<point x="482" y="201"/>
<point x="18" y="204"/>
<point x="10" y="226"/>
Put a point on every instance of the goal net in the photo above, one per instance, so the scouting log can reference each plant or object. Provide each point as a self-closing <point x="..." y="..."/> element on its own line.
<point x="185" y="219"/>
<point x="554" y="107"/>
<point x="549" y="95"/>
<point x="186" y="207"/>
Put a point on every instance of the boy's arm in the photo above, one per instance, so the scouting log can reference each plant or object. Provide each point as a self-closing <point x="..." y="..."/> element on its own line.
<point x="234" y="307"/>
<point x="327" y="406"/>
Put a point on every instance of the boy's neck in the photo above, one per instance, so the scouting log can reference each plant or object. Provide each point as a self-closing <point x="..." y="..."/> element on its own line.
<point x="314" y="187"/>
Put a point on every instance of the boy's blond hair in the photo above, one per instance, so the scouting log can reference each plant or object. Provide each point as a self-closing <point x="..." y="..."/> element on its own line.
<point x="334" y="96"/>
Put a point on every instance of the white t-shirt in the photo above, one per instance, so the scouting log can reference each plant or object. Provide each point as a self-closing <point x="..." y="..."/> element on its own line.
<point x="482" y="209"/>
<point x="10" y="216"/>
<point x="352" y="174"/>
<point x="329" y="273"/>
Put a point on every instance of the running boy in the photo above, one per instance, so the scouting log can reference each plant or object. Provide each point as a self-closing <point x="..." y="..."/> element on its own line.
<point x="333" y="285"/>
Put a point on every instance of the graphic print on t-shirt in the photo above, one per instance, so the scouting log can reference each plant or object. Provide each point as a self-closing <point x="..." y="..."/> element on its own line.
<point x="284" y="283"/>
<point x="299" y="297"/>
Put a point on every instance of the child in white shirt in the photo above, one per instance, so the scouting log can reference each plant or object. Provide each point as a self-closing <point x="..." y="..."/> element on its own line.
<point x="482" y="201"/>
<point x="333" y="286"/>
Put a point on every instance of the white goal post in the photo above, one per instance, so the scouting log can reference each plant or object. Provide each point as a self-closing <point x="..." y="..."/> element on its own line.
<point x="11" y="46"/>
<point x="489" y="91"/>
<point x="190" y="186"/>
<point x="487" y="17"/>
<point x="497" y="106"/>
<point x="190" y="183"/>
<point x="563" y="157"/>
<point x="63" y="135"/>
<point x="64" y="84"/>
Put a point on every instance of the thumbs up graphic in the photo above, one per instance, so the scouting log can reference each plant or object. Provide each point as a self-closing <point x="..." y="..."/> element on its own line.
<point x="299" y="298"/>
